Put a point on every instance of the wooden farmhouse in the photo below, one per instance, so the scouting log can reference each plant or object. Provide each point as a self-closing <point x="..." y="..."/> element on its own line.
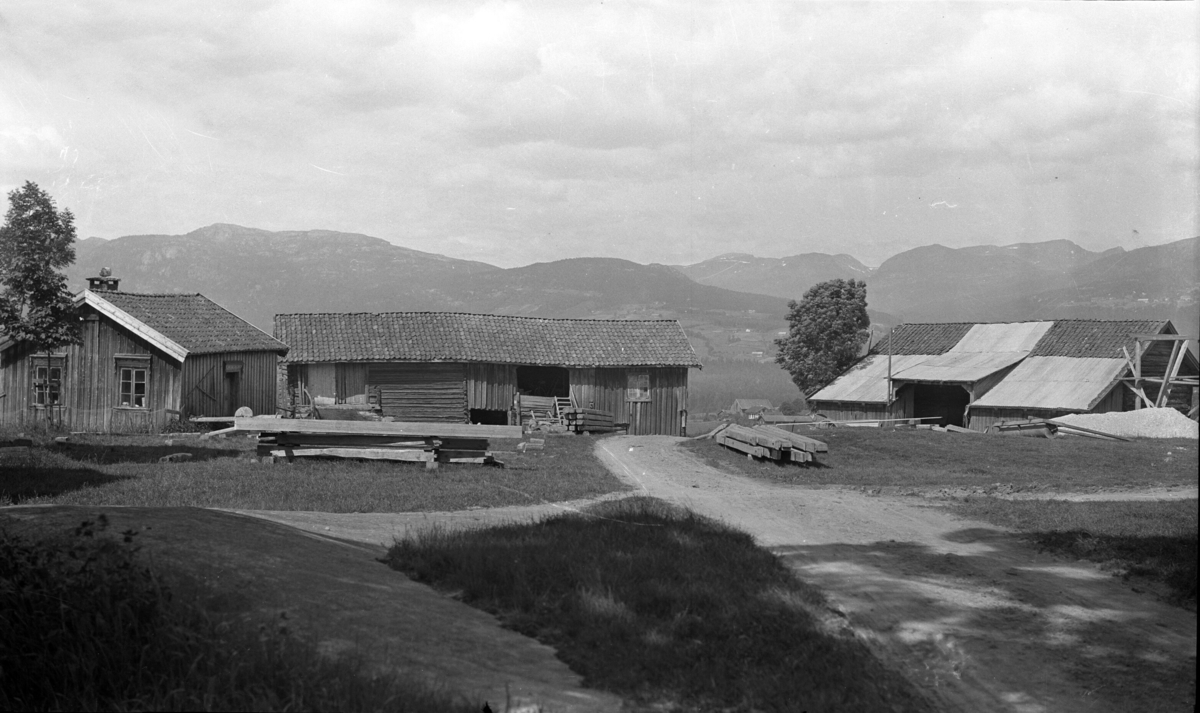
<point x="745" y="407"/>
<point x="973" y="375"/>
<point x="143" y="359"/>
<point x="470" y="368"/>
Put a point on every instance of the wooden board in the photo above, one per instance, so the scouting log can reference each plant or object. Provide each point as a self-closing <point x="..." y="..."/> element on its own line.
<point x="259" y="424"/>
<point x="803" y="443"/>
<point x="742" y="446"/>
<point x="416" y="456"/>
<point x="799" y="456"/>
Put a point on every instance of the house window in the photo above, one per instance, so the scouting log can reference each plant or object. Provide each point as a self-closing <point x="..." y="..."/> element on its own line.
<point x="133" y="377"/>
<point x="47" y="380"/>
<point x="133" y="387"/>
<point x="637" y="386"/>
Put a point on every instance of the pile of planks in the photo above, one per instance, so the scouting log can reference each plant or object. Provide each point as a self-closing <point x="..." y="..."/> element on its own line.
<point x="430" y="443"/>
<point x="769" y="442"/>
<point x="588" y="419"/>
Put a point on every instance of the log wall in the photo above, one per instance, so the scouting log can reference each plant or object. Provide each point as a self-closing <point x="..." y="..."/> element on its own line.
<point x="426" y="392"/>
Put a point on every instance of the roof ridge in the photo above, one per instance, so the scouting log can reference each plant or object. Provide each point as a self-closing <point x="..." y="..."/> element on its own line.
<point x="468" y="314"/>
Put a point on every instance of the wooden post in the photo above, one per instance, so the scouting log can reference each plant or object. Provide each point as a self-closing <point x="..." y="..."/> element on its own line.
<point x="890" y="397"/>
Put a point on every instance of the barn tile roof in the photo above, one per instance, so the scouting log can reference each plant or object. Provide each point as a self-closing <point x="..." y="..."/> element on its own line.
<point x="929" y="339"/>
<point x="193" y="321"/>
<point x="489" y="338"/>
<point x="1088" y="338"/>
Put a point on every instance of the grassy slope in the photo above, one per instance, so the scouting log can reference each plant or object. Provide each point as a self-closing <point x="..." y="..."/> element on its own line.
<point x="1155" y="540"/>
<point x="125" y="471"/>
<point x="662" y="607"/>
<point x="132" y="642"/>
<point x="876" y="457"/>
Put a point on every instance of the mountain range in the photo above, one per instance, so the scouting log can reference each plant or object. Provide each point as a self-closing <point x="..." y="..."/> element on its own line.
<point x="732" y="305"/>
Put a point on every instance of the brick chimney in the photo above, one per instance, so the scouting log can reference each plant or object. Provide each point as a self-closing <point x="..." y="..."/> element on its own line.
<point x="104" y="283"/>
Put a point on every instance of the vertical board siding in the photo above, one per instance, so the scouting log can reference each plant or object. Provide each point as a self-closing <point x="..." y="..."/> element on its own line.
<point x="91" y="382"/>
<point x="491" y="386"/>
<point x="203" y="383"/>
<point x="421" y="391"/>
<point x="604" y="389"/>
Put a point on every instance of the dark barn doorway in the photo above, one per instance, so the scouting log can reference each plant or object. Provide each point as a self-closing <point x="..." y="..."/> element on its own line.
<point x="543" y="381"/>
<point x="946" y="401"/>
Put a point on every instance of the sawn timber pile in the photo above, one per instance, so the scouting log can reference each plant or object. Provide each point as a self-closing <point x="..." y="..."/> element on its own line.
<point x="770" y="442"/>
<point x="429" y="443"/>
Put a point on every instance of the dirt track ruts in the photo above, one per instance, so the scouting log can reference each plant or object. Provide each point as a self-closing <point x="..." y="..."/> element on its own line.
<point x="968" y="611"/>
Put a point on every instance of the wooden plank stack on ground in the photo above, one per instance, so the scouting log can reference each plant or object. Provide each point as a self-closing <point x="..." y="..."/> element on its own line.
<point x="771" y="443"/>
<point x="430" y="443"/>
<point x="592" y="420"/>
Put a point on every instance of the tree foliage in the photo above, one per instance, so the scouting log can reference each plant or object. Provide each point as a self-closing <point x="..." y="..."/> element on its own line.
<point x="36" y="241"/>
<point x="829" y="326"/>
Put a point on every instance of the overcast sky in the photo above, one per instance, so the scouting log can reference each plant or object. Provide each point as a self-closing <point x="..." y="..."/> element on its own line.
<point x="658" y="132"/>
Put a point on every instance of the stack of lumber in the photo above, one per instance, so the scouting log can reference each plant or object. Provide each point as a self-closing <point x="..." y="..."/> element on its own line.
<point x="588" y="419"/>
<point x="770" y="442"/>
<point x="430" y="443"/>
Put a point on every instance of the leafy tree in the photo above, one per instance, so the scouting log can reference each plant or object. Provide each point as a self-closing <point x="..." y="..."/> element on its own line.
<point x="829" y="326"/>
<point x="36" y="241"/>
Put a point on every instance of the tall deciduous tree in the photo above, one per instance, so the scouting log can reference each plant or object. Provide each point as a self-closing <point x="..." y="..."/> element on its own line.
<point x="829" y="326"/>
<point x="36" y="241"/>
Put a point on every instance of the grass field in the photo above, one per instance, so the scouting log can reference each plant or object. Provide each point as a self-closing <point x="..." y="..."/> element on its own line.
<point x="877" y="457"/>
<point x="86" y="625"/>
<point x="669" y="610"/>
<point x="1156" y="540"/>
<point x="118" y="470"/>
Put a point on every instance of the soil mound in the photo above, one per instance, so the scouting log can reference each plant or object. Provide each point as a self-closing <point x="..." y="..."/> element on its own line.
<point x="1146" y="423"/>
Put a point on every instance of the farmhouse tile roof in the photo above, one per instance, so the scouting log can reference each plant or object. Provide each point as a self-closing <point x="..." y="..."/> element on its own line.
<point x="931" y="339"/>
<point x="488" y="338"/>
<point x="193" y="321"/>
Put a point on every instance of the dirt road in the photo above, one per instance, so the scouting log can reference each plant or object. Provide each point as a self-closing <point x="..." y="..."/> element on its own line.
<point x="965" y="609"/>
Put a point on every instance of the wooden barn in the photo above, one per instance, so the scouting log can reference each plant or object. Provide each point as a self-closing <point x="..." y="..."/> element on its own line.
<point x="460" y="368"/>
<point x="143" y="360"/>
<point x="973" y="375"/>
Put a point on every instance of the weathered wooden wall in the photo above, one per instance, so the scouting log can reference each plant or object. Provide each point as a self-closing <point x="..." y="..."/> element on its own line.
<point x="429" y="392"/>
<point x="491" y="386"/>
<point x="91" y="383"/>
<point x="605" y="389"/>
<point x="205" y="389"/>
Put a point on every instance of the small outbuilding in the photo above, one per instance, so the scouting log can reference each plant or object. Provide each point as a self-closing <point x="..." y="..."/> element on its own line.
<point x="975" y="374"/>
<point x="143" y="360"/>
<point x="470" y="368"/>
<point x="747" y="407"/>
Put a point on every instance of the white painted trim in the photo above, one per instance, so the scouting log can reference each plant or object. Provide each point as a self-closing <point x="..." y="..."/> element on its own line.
<point x="138" y="327"/>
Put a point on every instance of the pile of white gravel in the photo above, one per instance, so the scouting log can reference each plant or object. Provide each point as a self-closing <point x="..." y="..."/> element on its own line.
<point x="1146" y="423"/>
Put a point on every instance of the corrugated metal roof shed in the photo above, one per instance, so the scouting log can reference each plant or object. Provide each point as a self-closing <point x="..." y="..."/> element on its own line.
<point x="966" y="367"/>
<point x="1055" y="383"/>
<point x="867" y="380"/>
<point x="1003" y="337"/>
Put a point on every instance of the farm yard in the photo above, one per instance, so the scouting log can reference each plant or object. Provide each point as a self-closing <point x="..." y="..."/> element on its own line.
<point x="873" y="513"/>
<point x="223" y="473"/>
